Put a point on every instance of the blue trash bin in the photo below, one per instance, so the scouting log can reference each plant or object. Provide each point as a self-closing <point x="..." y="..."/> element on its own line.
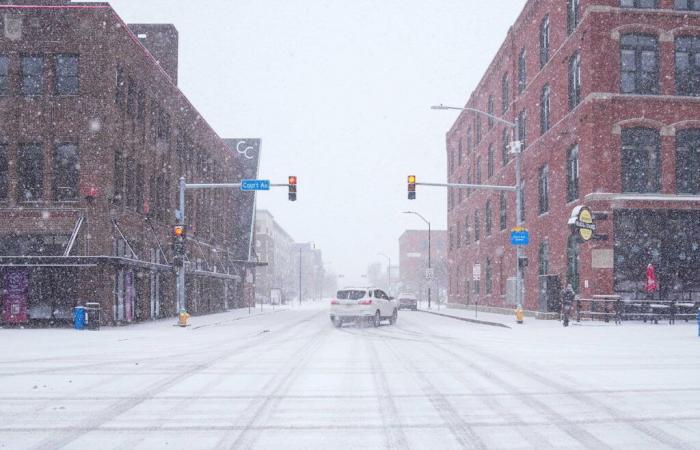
<point x="79" y="317"/>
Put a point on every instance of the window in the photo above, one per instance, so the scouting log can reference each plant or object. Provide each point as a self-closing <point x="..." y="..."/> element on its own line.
<point x="572" y="15"/>
<point x="544" y="189"/>
<point x="131" y="98"/>
<point x="488" y="276"/>
<point x="477" y="226"/>
<point x="120" y="91"/>
<point x="650" y="4"/>
<point x="478" y="170"/>
<point x="452" y="238"/>
<point x="118" y="177"/>
<point x="639" y="61"/>
<point x="458" y="240"/>
<point x="572" y="262"/>
<point x="688" y="66"/>
<point x="502" y="211"/>
<point x="574" y="81"/>
<point x="30" y="172"/>
<point x="32" y="75"/>
<point x="687" y="162"/>
<point x="641" y="165"/>
<point x="466" y="230"/>
<point x="67" y="75"/>
<point x="544" y="41"/>
<point x="477" y="126"/>
<point x="4" y="75"/>
<point x="544" y="109"/>
<point x="490" y="163"/>
<point x="572" y="174"/>
<point x="66" y="172"/>
<point x="688" y="5"/>
<point x="522" y="72"/>
<point x="459" y="152"/>
<point x="490" y="111"/>
<point x="4" y="174"/>
<point x="505" y="150"/>
<point x="522" y="200"/>
<point x="543" y="263"/>
<point x="505" y="93"/>
<point x="522" y="129"/>
<point x="488" y="218"/>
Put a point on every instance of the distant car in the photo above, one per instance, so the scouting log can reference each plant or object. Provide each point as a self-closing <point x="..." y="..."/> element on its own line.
<point x="408" y="301"/>
<point x="364" y="305"/>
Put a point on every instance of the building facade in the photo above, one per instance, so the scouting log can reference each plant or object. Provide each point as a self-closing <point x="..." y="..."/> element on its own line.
<point x="413" y="262"/>
<point x="274" y="246"/>
<point x="605" y="96"/>
<point x="94" y="135"/>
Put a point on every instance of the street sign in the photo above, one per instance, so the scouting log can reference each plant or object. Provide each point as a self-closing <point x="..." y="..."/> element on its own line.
<point x="519" y="236"/>
<point x="429" y="274"/>
<point x="255" y="185"/>
<point x="476" y="272"/>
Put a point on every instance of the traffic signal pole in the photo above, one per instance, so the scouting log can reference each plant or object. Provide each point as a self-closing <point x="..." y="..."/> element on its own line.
<point x="180" y="218"/>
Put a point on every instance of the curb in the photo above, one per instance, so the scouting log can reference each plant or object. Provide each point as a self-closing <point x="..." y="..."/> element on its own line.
<point x="464" y="319"/>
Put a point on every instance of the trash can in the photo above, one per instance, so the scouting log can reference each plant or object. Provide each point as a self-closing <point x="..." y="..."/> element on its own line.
<point x="92" y="316"/>
<point x="79" y="317"/>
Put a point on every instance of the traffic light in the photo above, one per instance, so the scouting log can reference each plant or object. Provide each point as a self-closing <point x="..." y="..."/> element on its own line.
<point x="411" y="187"/>
<point x="179" y="245"/>
<point x="292" y="188"/>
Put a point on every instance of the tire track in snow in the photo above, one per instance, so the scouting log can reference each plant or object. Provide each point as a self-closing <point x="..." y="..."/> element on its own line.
<point x="113" y="411"/>
<point x="395" y="437"/>
<point x="260" y="410"/>
<point x="649" y="430"/>
<point x="461" y="430"/>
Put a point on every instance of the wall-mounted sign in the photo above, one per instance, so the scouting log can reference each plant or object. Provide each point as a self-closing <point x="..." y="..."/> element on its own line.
<point x="581" y="222"/>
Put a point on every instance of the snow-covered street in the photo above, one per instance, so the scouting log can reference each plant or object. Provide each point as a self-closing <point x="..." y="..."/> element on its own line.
<point x="290" y="380"/>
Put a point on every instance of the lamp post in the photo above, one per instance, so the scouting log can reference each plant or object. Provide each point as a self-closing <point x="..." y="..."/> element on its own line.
<point x="427" y="222"/>
<point x="515" y="148"/>
<point x="388" y="269"/>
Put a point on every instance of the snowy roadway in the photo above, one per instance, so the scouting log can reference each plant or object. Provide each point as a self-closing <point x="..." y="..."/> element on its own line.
<point x="289" y="380"/>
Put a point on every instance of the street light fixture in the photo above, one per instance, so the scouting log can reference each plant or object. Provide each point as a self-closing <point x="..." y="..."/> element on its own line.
<point x="427" y="222"/>
<point x="515" y="148"/>
<point x="388" y="284"/>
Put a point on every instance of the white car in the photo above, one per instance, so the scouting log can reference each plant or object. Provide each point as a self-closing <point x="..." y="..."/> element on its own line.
<point x="363" y="304"/>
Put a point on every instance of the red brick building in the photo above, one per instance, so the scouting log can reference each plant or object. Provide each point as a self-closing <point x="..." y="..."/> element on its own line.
<point x="606" y="96"/>
<point x="413" y="260"/>
<point x="94" y="135"/>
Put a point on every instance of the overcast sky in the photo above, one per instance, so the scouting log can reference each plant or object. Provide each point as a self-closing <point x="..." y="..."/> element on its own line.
<point x="340" y="93"/>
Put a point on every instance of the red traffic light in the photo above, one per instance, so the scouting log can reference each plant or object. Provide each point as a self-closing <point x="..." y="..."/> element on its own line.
<point x="292" y="188"/>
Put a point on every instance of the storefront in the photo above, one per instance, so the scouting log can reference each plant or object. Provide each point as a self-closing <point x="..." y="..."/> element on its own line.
<point x="667" y="239"/>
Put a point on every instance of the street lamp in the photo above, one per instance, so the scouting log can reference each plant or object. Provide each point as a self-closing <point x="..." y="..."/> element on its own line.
<point x="515" y="148"/>
<point x="388" y="285"/>
<point x="428" y="222"/>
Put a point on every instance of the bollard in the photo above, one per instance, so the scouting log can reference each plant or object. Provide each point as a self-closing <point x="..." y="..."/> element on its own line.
<point x="519" y="314"/>
<point x="182" y="318"/>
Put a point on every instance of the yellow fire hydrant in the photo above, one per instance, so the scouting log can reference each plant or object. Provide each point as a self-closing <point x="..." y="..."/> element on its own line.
<point x="519" y="314"/>
<point x="182" y="318"/>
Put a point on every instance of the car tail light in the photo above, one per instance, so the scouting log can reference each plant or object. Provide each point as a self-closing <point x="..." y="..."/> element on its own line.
<point x="335" y="302"/>
<point x="365" y="302"/>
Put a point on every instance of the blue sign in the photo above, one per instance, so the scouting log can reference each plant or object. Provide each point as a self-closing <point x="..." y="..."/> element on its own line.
<point x="520" y="237"/>
<point x="255" y="185"/>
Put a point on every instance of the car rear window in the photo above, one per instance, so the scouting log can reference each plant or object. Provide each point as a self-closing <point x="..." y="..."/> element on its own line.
<point x="350" y="295"/>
